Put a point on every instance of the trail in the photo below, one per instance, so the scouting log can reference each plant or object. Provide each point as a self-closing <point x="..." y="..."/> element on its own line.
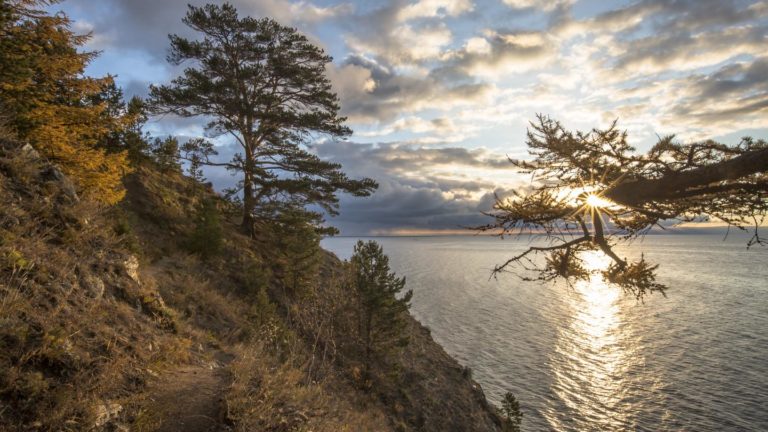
<point x="190" y="399"/>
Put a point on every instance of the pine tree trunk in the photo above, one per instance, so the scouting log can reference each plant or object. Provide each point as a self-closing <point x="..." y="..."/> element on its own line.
<point x="368" y="347"/>
<point x="249" y="205"/>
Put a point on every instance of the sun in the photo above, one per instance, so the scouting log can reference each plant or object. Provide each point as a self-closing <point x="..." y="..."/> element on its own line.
<point x="596" y="201"/>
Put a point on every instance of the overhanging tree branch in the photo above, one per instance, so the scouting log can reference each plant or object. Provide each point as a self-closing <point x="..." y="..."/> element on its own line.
<point x="594" y="187"/>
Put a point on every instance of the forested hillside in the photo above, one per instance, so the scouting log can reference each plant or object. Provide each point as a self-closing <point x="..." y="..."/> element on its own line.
<point x="133" y="296"/>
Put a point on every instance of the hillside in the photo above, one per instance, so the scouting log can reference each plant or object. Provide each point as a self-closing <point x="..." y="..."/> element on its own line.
<point x="112" y="319"/>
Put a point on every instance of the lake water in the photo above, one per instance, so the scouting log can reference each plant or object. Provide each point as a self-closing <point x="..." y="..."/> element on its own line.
<point x="588" y="357"/>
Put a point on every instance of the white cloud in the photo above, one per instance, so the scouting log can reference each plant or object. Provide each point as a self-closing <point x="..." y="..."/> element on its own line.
<point x="405" y="44"/>
<point x="544" y="5"/>
<point x="306" y="12"/>
<point x="434" y="8"/>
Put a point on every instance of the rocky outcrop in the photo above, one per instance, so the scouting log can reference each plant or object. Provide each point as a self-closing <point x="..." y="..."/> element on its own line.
<point x="72" y="341"/>
<point x="105" y="414"/>
<point x="436" y="393"/>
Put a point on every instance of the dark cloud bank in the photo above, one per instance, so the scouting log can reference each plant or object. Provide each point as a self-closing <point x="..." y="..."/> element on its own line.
<point x="409" y="197"/>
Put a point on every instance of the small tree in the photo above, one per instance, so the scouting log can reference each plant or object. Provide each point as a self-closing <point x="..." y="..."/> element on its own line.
<point x="207" y="238"/>
<point x="586" y="182"/>
<point x="130" y="118"/>
<point x="513" y="417"/>
<point x="264" y="85"/>
<point x="382" y="315"/>
<point x="295" y="245"/>
<point x="165" y="152"/>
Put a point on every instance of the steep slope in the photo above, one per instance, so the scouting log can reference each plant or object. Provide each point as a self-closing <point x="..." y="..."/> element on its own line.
<point x="108" y="321"/>
<point x="79" y="329"/>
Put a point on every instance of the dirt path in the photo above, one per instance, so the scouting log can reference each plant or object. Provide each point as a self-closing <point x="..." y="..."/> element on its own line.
<point x="189" y="399"/>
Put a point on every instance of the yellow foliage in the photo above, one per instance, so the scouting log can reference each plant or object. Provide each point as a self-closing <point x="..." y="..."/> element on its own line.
<point x="46" y="95"/>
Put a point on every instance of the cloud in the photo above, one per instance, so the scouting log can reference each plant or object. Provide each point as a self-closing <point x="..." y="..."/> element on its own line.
<point x="544" y="5"/>
<point x="685" y="51"/>
<point x="372" y="91"/>
<point x="386" y="33"/>
<point x="434" y="9"/>
<point x="417" y="125"/>
<point x="735" y="95"/>
<point x="145" y="24"/>
<point x="405" y="44"/>
<point x="421" y="188"/>
<point x="500" y="53"/>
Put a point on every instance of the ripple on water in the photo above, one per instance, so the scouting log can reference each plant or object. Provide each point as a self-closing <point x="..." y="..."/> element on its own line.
<point x="590" y="358"/>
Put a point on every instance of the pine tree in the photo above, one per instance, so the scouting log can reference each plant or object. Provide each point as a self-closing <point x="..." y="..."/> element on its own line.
<point x="129" y="119"/>
<point x="264" y="85"/>
<point x="296" y="244"/>
<point x="166" y="153"/>
<point x="207" y="238"/>
<point x="48" y="101"/>
<point x="587" y="184"/>
<point x="513" y="417"/>
<point x="382" y="315"/>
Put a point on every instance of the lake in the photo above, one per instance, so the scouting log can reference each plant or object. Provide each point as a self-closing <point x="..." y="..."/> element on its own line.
<point x="589" y="357"/>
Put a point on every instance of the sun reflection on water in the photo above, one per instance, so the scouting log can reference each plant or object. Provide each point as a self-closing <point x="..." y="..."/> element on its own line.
<point x="590" y="354"/>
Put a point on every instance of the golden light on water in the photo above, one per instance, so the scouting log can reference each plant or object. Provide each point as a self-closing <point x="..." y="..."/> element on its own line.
<point x="592" y="354"/>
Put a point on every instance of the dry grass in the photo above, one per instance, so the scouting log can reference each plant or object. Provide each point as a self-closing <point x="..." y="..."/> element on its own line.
<point x="271" y="396"/>
<point x="67" y="344"/>
<point x="76" y="331"/>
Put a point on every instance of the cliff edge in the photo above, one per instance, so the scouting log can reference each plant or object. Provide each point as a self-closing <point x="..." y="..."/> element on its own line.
<point x="112" y="319"/>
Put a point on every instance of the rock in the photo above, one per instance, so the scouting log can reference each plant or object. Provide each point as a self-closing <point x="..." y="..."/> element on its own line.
<point x="29" y="152"/>
<point x="131" y="266"/>
<point x="93" y="285"/>
<point x="64" y="182"/>
<point x="105" y="413"/>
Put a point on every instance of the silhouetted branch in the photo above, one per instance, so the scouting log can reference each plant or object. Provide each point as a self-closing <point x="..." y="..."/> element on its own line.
<point x="587" y="183"/>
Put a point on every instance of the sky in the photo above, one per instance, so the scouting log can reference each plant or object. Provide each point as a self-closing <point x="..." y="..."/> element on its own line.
<point x="440" y="92"/>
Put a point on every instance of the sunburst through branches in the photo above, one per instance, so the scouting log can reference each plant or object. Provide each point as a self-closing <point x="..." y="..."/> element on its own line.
<point x="591" y="190"/>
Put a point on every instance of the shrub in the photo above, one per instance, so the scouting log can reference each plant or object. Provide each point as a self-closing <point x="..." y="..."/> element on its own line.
<point x="207" y="238"/>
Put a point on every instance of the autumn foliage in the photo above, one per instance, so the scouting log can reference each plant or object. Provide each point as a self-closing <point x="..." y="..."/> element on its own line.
<point x="47" y="100"/>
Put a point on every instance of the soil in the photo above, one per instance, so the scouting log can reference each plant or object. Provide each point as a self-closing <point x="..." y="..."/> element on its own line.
<point x="190" y="399"/>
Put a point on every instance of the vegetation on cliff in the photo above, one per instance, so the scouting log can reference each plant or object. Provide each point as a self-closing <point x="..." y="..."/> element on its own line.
<point x="47" y="100"/>
<point x="130" y="297"/>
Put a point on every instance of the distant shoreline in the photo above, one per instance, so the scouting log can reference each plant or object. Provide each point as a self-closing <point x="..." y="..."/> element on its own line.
<point x="723" y="231"/>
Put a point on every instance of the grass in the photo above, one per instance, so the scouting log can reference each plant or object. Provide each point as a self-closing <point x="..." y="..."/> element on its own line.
<point x="65" y="351"/>
<point x="272" y="396"/>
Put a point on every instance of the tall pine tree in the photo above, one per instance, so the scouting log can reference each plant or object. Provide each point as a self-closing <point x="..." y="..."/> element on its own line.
<point x="264" y="85"/>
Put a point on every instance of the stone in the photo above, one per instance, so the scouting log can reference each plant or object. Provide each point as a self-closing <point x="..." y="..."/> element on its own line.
<point x="131" y="266"/>
<point x="29" y="151"/>
<point x="64" y="183"/>
<point x="93" y="285"/>
<point x="105" y="413"/>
